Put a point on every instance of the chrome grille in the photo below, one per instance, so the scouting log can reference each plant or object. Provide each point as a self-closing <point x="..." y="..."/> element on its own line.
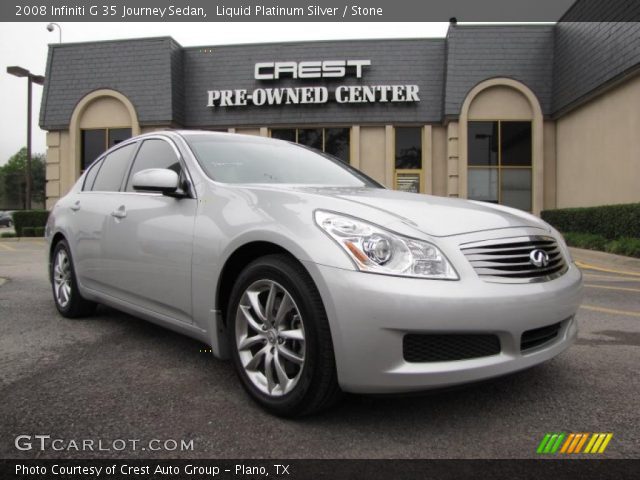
<point x="507" y="260"/>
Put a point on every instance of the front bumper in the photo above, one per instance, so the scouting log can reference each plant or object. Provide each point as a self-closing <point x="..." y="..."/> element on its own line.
<point x="369" y="315"/>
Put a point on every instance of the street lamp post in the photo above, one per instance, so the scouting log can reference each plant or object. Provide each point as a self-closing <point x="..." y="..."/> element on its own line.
<point x="52" y="26"/>
<point x="31" y="78"/>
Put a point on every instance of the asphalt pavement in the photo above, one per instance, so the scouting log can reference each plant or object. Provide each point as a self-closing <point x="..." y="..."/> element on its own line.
<point x="113" y="377"/>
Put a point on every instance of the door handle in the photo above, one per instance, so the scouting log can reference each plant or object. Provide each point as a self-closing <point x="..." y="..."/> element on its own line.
<point x="76" y="206"/>
<point x="119" y="213"/>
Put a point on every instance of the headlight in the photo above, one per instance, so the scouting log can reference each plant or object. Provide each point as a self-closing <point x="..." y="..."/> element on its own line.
<point x="376" y="250"/>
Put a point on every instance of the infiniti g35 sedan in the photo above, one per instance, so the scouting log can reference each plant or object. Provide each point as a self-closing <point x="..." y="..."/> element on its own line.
<point x="312" y="277"/>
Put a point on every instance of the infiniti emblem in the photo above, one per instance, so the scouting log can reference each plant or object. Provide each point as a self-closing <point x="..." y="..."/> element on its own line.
<point x="539" y="258"/>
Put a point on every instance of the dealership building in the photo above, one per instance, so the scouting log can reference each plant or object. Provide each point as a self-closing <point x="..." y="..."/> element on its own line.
<point x="531" y="116"/>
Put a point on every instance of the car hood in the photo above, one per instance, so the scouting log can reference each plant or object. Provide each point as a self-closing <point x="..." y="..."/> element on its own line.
<point x="436" y="216"/>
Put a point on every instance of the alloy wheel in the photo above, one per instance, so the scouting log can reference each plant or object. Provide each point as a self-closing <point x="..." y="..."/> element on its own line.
<point x="62" y="279"/>
<point x="270" y="338"/>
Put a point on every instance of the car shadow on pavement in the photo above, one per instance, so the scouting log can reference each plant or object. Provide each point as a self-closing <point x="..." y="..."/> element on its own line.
<point x="123" y="377"/>
<point x="494" y="394"/>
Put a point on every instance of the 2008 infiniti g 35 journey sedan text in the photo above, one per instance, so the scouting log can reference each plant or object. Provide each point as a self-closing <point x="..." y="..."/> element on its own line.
<point x="312" y="277"/>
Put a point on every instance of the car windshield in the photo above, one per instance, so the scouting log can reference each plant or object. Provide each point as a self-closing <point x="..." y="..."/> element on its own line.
<point x="231" y="158"/>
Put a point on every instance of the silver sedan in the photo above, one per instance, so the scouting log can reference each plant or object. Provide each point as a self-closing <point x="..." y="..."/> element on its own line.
<point x="312" y="277"/>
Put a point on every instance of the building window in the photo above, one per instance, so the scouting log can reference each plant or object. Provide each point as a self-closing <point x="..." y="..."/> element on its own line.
<point x="408" y="161"/>
<point x="96" y="141"/>
<point x="311" y="137"/>
<point x="288" y="134"/>
<point x="93" y="145"/>
<point x="334" y="141"/>
<point x="499" y="161"/>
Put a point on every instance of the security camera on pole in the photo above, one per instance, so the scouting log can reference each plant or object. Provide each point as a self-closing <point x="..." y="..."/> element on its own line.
<point x="52" y="26"/>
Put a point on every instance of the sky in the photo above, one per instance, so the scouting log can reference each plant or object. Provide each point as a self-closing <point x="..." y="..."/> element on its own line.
<point x="25" y="45"/>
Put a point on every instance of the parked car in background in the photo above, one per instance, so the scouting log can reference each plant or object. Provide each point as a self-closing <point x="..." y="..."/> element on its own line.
<point x="6" y="219"/>
<point x="311" y="276"/>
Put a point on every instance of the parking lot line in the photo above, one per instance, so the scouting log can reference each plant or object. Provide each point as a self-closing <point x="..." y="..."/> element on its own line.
<point x="6" y="247"/>
<point x="587" y="266"/>
<point x="607" y="287"/>
<point x="595" y="276"/>
<point x="610" y="310"/>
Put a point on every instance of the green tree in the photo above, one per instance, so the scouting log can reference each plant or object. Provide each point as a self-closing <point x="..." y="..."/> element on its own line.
<point x="13" y="181"/>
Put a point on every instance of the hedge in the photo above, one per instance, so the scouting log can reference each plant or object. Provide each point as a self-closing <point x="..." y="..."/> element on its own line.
<point x="629" y="247"/>
<point x="610" y="221"/>
<point x="624" y="246"/>
<point x="589" y="241"/>
<point x="29" y="219"/>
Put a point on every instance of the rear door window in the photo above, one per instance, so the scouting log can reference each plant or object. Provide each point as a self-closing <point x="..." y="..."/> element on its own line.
<point x="91" y="175"/>
<point x="113" y="169"/>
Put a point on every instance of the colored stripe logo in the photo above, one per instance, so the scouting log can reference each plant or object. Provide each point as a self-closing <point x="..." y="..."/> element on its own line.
<point x="572" y="443"/>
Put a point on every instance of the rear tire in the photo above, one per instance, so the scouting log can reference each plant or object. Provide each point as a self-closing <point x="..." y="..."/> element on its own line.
<point x="280" y="339"/>
<point x="64" y="284"/>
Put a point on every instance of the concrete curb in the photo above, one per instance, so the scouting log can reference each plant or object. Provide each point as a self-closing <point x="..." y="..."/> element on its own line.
<point x="605" y="260"/>
<point x="23" y="239"/>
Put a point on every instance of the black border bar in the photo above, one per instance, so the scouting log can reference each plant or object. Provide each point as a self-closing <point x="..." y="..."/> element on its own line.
<point x="543" y="469"/>
<point x="319" y="10"/>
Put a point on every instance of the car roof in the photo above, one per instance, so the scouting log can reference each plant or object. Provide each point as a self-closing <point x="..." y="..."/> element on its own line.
<point x="183" y="133"/>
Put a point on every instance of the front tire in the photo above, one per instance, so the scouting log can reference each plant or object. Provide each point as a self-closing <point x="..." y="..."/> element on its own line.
<point x="280" y="339"/>
<point x="66" y="294"/>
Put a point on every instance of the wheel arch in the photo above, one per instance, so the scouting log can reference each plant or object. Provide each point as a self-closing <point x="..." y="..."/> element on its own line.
<point x="237" y="261"/>
<point x="57" y="238"/>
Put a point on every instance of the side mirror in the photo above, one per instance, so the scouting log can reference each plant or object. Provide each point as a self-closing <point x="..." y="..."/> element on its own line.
<point x="159" y="180"/>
